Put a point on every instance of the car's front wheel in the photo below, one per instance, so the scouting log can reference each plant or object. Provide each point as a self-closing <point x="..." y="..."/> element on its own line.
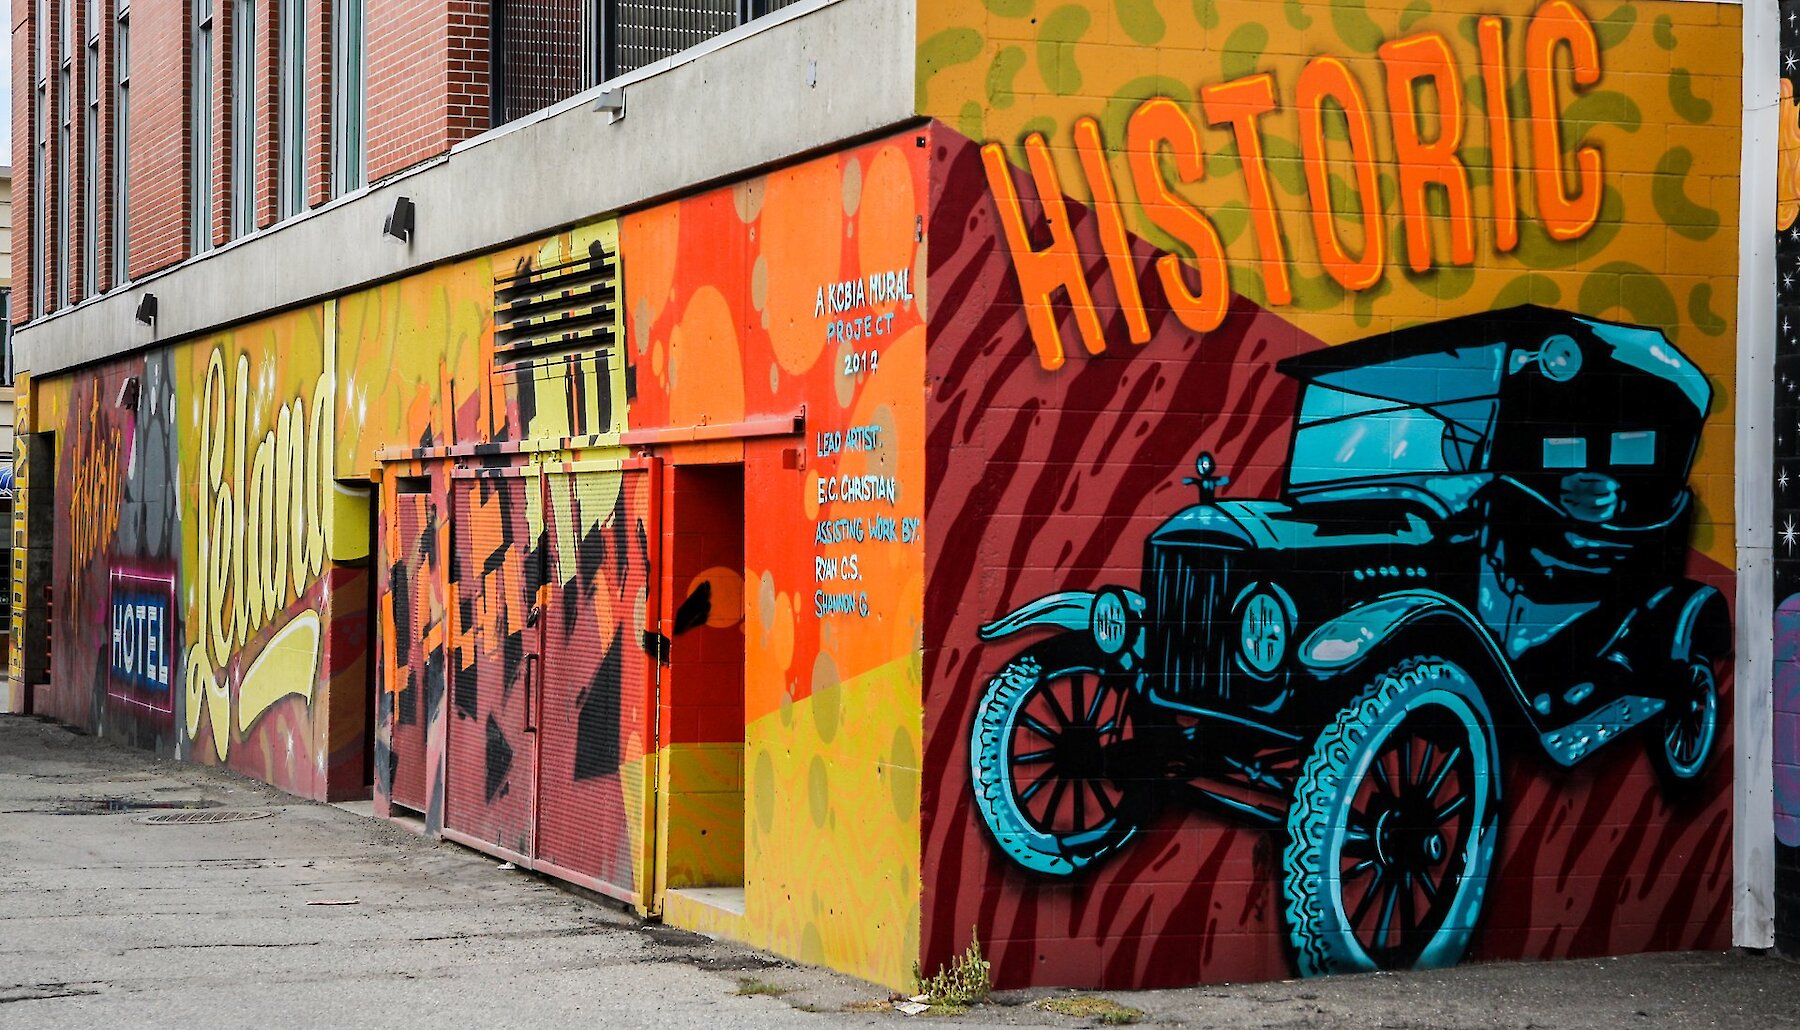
<point x="1392" y="832"/>
<point x="1049" y="754"/>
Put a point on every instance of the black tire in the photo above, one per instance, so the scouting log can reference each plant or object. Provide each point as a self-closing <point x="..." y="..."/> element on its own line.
<point x="1369" y="840"/>
<point x="1684" y="738"/>
<point x="1047" y="758"/>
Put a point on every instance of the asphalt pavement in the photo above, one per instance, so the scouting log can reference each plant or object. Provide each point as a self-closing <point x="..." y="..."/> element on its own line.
<point x="299" y="915"/>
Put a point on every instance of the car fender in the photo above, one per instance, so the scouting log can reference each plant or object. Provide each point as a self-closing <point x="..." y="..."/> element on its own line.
<point x="1345" y="642"/>
<point x="1071" y="610"/>
<point x="1676" y="624"/>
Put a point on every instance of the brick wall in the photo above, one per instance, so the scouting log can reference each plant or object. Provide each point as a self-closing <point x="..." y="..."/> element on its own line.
<point x="159" y="201"/>
<point x="427" y="89"/>
<point x="318" y="103"/>
<point x="466" y="103"/>
<point x="427" y="70"/>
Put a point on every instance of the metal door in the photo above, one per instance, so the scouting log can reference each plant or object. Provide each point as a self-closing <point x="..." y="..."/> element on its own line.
<point x="405" y="667"/>
<point x="596" y="711"/>
<point x="498" y="542"/>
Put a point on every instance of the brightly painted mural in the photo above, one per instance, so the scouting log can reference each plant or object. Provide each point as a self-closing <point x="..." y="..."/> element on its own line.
<point x="1323" y="414"/>
<point x="805" y="290"/>
<point x="581" y="669"/>
<point x="1334" y="417"/>
<point x="225" y="635"/>
<point x="1785" y="485"/>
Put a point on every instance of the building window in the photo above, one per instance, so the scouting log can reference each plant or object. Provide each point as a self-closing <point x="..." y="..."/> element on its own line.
<point x="6" y="358"/>
<point x="40" y="164"/>
<point x="346" y="96"/>
<point x="243" y="117"/>
<point x="545" y="51"/>
<point x="65" y="137"/>
<point x="121" y="211"/>
<point x="200" y="116"/>
<point x="90" y="157"/>
<point x="291" y="79"/>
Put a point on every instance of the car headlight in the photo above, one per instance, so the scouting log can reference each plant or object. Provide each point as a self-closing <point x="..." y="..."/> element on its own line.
<point x="1110" y="623"/>
<point x="1262" y="633"/>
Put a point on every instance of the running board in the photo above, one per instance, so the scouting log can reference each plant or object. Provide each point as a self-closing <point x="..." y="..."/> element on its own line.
<point x="1583" y="737"/>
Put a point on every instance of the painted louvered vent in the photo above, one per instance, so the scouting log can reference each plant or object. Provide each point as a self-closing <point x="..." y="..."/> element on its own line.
<point x="558" y="310"/>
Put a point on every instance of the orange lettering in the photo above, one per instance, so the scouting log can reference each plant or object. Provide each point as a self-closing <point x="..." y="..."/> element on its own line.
<point x="1043" y="272"/>
<point x="1409" y="62"/>
<point x="1156" y="122"/>
<point x="1559" y="23"/>
<point x="1239" y="103"/>
<point x="1112" y="227"/>
<point x="1328" y="78"/>
<point x="1504" y="163"/>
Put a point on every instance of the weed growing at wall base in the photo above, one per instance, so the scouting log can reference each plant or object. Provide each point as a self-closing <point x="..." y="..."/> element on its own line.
<point x="965" y="981"/>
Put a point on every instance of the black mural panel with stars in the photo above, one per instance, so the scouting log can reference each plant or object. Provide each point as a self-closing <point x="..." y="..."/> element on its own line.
<point x="1786" y="486"/>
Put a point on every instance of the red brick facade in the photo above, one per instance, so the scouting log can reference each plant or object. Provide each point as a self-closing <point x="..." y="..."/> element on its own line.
<point x="423" y="91"/>
<point x="426" y="68"/>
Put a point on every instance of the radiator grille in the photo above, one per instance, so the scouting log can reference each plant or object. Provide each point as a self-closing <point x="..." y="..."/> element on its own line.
<point x="1191" y="609"/>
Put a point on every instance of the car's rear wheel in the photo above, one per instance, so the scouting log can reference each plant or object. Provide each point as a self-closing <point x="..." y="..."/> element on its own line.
<point x="1049" y="755"/>
<point x="1686" y="734"/>
<point x="1392" y="831"/>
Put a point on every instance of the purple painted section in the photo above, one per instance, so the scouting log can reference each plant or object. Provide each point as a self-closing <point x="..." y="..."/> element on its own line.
<point x="1787" y="721"/>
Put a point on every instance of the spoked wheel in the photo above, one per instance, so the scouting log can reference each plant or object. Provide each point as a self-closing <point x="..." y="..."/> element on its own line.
<point x="1392" y="830"/>
<point x="1687" y="732"/>
<point x="1051" y="758"/>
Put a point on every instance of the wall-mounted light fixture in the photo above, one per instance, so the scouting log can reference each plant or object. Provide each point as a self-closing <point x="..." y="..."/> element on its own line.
<point x="611" y="102"/>
<point x="146" y="309"/>
<point x="128" y="393"/>
<point x="399" y="222"/>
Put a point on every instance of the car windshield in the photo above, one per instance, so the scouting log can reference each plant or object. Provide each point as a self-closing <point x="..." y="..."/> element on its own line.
<point x="1423" y="415"/>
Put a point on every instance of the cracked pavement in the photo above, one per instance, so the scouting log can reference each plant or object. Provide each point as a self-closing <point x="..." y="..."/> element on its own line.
<point x="109" y="921"/>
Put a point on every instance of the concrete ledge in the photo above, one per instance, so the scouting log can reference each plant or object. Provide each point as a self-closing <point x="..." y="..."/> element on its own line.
<point x="817" y="75"/>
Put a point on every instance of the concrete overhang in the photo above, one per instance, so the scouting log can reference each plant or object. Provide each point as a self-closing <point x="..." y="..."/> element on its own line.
<point x="810" y="77"/>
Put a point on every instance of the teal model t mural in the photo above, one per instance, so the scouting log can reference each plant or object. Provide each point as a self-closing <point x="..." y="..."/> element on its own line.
<point x="1478" y="550"/>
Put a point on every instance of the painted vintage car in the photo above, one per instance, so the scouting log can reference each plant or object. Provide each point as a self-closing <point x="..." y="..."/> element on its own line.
<point x="1478" y="555"/>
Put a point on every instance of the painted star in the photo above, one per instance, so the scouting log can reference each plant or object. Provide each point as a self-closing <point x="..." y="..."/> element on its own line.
<point x="1790" y="534"/>
<point x="1787" y="281"/>
<point x="1790" y="61"/>
<point x="1782" y="480"/>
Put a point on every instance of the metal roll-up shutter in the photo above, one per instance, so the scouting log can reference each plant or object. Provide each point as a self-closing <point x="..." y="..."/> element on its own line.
<point x="490" y="775"/>
<point x="410" y="612"/>
<point x="595" y="739"/>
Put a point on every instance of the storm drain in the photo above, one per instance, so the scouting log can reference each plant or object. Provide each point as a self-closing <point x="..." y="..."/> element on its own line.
<point x="213" y="816"/>
<point x="114" y="806"/>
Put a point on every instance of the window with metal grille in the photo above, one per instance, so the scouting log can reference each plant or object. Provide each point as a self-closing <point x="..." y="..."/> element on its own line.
<point x="542" y="54"/>
<point x="646" y="31"/>
<point x="557" y="310"/>
<point x="545" y="51"/>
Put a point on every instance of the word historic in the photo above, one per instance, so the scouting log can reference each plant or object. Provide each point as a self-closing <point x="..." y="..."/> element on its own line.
<point x="1566" y="182"/>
